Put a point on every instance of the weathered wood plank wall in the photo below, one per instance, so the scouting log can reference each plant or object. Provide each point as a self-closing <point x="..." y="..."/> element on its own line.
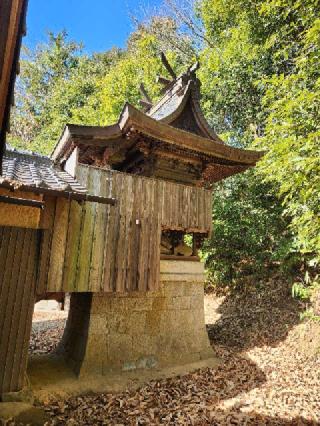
<point x="18" y="268"/>
<point x="95" y="247"/>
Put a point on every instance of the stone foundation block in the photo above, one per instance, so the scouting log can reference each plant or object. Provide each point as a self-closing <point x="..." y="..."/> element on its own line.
<point x="119" y="332"/>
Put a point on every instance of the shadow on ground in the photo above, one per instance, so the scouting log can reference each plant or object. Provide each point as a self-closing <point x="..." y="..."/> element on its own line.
<point x="236" y="417"/>
<point x="256" y="317"/>
<point x="252" y="319"/>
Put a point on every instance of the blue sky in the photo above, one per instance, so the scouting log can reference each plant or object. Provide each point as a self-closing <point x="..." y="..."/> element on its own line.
<point x="99" y="24"/>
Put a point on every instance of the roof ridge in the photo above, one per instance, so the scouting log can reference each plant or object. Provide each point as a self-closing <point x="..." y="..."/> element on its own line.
<point x="11" y="150"/>
<point x="168" y="96"/>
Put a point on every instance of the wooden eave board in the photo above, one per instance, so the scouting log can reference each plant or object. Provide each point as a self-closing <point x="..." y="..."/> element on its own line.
<point x="133" y="118"/>
<point x="12" y="15"/>
<point x="89" y="135"/>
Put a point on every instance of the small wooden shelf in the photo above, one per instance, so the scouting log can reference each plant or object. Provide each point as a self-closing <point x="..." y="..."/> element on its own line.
<point x="175" y="257"/>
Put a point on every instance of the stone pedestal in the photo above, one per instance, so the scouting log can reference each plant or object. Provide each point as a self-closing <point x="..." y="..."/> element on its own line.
<point x="123" y="332"/>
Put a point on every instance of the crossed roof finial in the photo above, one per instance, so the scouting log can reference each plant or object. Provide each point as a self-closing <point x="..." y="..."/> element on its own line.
<point x="167" y="83"/>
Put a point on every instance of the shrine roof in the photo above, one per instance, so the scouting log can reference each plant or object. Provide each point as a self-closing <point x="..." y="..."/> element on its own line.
<point x="181" y="94"/>
<point x="133" y="120"/>
<point x="174" y="123"/>
<point x="168" y="106"/>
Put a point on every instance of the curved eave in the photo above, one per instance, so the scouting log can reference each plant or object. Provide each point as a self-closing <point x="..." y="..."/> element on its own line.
<point x="202" y="122"/>
<point x="92" y="135"/>
<point x="133" y="118"/>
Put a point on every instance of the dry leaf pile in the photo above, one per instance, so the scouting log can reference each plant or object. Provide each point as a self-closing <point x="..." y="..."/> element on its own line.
<point x="264" y="379"/>
<point x="47" y="330"/>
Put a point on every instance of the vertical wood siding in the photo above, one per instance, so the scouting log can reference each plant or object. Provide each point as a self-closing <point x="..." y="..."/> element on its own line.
<point x="18" y="267"/>
<point x="95" y="247"/>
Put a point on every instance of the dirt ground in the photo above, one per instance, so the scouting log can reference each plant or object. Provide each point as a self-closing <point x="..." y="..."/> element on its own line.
<point x="270" y="373"/>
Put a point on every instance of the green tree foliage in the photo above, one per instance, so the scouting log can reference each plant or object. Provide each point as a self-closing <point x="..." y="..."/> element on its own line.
<point x="140" y="63"/>
<point x="56" y="80"/>
<point x="59" y="84"/>
<point x="250" y="235"/>
<point x="292" y="138"/>
<point x="260" y="79"/>
<point x="260" y="87"/>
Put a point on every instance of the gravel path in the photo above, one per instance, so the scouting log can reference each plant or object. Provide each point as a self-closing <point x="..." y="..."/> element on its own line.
<point x="268" y="375"/>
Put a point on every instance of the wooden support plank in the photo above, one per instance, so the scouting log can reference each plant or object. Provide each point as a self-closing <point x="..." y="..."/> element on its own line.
<point x="26" y="318"/>
<point x="93" y="255"/>
<point x="154" y="244"/>
<point x="5" y="314"/>
<point x="112" y="252"/>
<point x="127" y="277"/>
<point x="179" y="207"/>
<point x="108" y="176"/>
<point x="5" y="282"/>
<point x="142" y="225"/>
<point x="46" y="223"/>
<point x="58" y="245"/>
<point x="72" y="247"/>
<point x="125" y="266"/>
<point x="121" y="240"/>
<point x="18" y="324"/>
<point x="145" y="236"/>
<point x="4" y="247"/>
<point x="163" y="217"/>
<point x="200" y="214"/>
<point x="12" y="316"/>
<point x="136" y="231"/>
<point x="86" y="238"/>
<point x="99" y="232"/>
<point x="111" y="240"/>
<point x="208" y="225"/>
<point x="18" y="295"/>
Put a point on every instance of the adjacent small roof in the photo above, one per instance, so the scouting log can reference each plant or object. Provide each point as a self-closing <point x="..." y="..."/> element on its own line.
<point x="36" y="173"/>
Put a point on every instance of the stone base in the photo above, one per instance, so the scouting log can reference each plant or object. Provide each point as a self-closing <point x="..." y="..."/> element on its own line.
<point x="51" y="378"/>
<point x="124" y="332"/>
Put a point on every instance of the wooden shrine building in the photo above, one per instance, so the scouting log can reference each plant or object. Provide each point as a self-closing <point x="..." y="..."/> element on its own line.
<point x="116" y="204"/>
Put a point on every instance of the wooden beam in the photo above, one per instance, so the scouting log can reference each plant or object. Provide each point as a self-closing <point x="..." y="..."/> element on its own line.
<point x="174" y="257"/>
<point x="78" y="196"/>
<point x="21" y="201"/>
<point x="168" y="67"/>
<point x="163" y="80"/>
<point x="146" y="101"/>
<point x="146" y="105"/>
<point x="144" y="93"/>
